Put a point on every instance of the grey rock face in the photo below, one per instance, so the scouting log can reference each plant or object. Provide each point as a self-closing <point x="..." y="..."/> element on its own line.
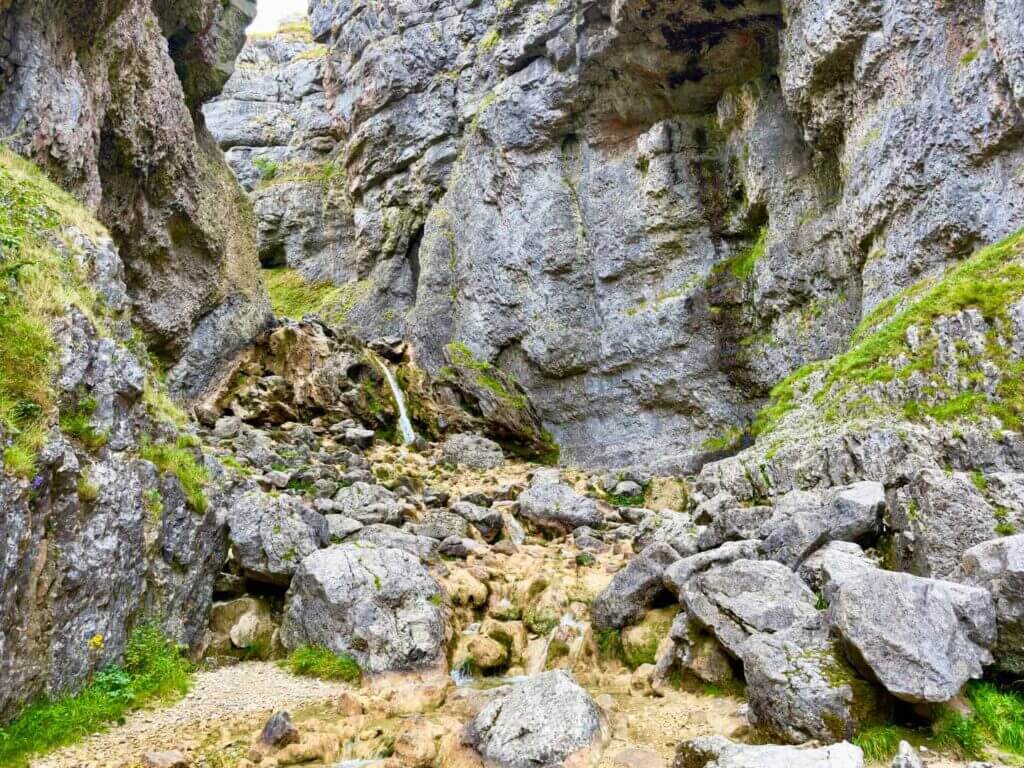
<point x="800" y="687"/>
<point x="558" y="507"/>
<point x="95" y="117"/>
<point x="634" y="589"/>
<point x="746" y="597"/>
<point x="472" y="451"/>
<point x="938" y="520"/>
<point x="921" y="639"/>
<point x="543" y="721"/>
<point x="998" y="566"/>
<point x="270" y="535"/>
<point x="381" y="535"/>
<point x="678" y="574"/>
<point x="802" y="522"/>
<point x="369" y="504"/>
<point x="376" y="604"/>
<point x="718" y="752"/>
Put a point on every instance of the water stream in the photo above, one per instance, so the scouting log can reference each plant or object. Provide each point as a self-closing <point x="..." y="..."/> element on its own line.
<point x="408" y="433"/>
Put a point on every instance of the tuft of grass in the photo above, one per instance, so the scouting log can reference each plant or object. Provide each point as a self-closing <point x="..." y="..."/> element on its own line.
<point x="153" y="670"/>
<point x="1000" y="713"/>
<point x="76" y="423"/>
<point x="609" y="643"/>
<point x="180" y="461"/>
<point x="881" y="742"/>
<point x="317" y="661"/>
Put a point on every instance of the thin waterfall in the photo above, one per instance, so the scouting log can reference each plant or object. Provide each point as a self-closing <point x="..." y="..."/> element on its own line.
<point x="408" y="433"/>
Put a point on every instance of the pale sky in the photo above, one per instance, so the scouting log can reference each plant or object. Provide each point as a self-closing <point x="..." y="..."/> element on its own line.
<point x="270" y="12"/>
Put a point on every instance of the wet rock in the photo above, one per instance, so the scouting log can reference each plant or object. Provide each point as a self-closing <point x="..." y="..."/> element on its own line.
<point x="558" y="507"/>
<point x="634" y="589"/>
<point x="369" y="504"/>
<point x="545" y="720"/>
<point x="279" y="731"/>
<point x="271" y="535"/>
<point x="922" y="639"/>
<point x="718" y="752"/>
<point x="472" y="451"/>
<point x="379" y="605"/>
<point x="800" y="687"/>
<point x="998" y="567"/>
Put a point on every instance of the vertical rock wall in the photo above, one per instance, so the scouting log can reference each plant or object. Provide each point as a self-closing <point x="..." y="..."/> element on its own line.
<point x="105" y="97"/>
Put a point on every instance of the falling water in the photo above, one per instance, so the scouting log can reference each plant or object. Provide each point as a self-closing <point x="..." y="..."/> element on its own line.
<point x="408" y="433"/>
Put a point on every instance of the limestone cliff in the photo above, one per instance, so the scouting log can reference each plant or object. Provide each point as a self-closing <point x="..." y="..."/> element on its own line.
<point x="651" y="212"/>
<point x="105" y="97"/>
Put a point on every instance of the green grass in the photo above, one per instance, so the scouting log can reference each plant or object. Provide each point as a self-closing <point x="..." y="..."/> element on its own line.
<point x="76" y="423"/>
<point x="997" y="720"/>
<point x="990" y="281"/>
<point x="292" y="297"/>
<point x="317" y="661"/>
<point x="153" y="670"/>
<point x="609" y="644"/>
<point x="180" y="460"/>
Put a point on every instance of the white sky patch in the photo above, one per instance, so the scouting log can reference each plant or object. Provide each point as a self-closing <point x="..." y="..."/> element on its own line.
<point x="269" y="13"/>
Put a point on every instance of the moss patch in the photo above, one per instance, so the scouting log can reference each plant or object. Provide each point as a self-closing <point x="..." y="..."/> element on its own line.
<point x="293" y="297"/>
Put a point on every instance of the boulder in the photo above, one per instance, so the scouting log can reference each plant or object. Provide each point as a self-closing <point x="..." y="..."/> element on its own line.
<point x="379" y="605"/>
<point x="385" y="536"/>
<point x="831" y="564"/>
<point x="921" y="639"/>
<point x="676" y="529"/>
<point x="998" y="567"/>
<point x="936" y="520"/>
<point x="486" y="520"/>
<point x="341" y="527"/>
<point x="733" y="523"/>
<point x="244" y="623"/>
<point x="907" y="757"/>
<point x="555" y="506"/>
<point x="369" y="504"/>
<point x="440" y="525"/>
<point x="279" y="731"/>
<point x="472" y="451"/>
<point x="677" y="574"/>
<point x="803" y="521"/>
<point x="800" y="687"/>
<point x="746" y="597"/>
<point x="545" y="720"/>
<point x="634" y="589"/>
<point x="718" y="752"/>
<point x="270" y="535"/>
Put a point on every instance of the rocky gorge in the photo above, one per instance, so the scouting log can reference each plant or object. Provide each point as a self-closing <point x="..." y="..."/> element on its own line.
<point x="577" y="382"/>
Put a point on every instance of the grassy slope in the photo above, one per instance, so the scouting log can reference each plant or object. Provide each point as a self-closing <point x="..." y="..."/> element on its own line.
<point x="990" y="281"/>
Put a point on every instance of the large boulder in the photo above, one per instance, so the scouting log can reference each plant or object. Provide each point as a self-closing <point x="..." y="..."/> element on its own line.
<point x="922" y="639"/>
<point x="936" y="520"/>
<point x="998" y="566"/>
<point x="634" y="589"/>
<point x="379" y="605"/>
<point x="369" y="504"/>
<point x="555" y="506"/>
<point x="270" y="535"/>
<point x="803" y="521"/>
<point x="676" y="529"/>
<point x="746" y="597"/>
<point x="680" y="572"/>
<point x="380" y="535"/>
<point x="544" y="721"/>
<point x="472" y="451"/>
<point x="800" y="687"/>
<point x="718" y="752"/>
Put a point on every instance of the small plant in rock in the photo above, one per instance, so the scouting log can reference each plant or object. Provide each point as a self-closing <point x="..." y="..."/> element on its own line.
<point x="180" y="461"/>
<point x="317" y="661"/>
